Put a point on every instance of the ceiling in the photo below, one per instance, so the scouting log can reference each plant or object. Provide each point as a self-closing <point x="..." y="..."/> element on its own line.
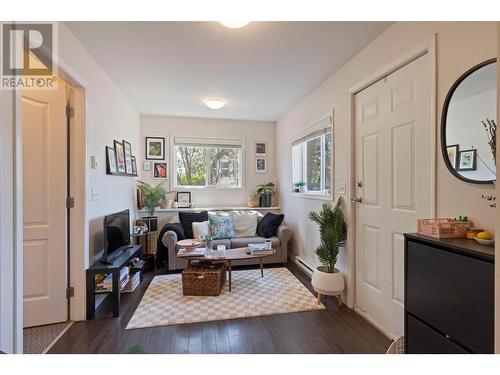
<point x="260" y="70"/>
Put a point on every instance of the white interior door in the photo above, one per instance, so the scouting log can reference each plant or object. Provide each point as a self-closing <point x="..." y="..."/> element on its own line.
<point x="44" y="181"/>
<point x="394" y="181"/>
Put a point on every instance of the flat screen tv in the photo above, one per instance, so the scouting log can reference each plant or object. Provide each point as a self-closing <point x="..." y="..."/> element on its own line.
<point x="116" y="234"/>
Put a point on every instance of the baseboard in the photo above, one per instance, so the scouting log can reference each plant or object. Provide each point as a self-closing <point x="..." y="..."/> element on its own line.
<point x="375" y="324"/>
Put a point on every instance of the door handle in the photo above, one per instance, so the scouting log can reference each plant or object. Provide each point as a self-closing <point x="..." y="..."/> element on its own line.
<point x="356" y="200"/>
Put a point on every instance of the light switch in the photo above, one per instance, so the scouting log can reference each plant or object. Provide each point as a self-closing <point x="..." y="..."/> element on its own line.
<point x="341" y="187"/>
<point x="94" y="162"/>
<point x="94" y="193"/>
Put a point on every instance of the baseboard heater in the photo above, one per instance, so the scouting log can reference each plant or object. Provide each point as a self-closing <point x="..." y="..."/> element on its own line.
<point x="304" y="265"/>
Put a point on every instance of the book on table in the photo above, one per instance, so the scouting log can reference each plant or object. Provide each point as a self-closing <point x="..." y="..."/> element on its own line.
<point x="196" y="252"/>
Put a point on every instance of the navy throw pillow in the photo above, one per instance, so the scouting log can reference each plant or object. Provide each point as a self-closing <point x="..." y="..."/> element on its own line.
<point x="188" y="218"/>
<point x="269" y="225"/>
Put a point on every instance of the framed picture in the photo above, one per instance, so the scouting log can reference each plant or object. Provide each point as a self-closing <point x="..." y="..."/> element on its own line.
<point x="120" y="157"/>
<point x="467" y="160"/>
<point x="127" y="147"/>
<point x="260" y="148"/>
<point x="160" y="170"/>
<point x="155" y="148"/>
<point x="146" y="166"/>
<point x="260" y="165"/>
<point x="134" y="166"/>
<point x="183" y="199"/>
<point x="111" y="166"/>
<point x="452" y="151"/>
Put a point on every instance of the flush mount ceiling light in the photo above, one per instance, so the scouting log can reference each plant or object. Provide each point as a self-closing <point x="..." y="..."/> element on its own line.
<point x="214" y="103"/>
<point x="234" y="24"/>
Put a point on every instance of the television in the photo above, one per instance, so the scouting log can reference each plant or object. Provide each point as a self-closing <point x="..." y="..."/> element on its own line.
<point x="116" y="234"/>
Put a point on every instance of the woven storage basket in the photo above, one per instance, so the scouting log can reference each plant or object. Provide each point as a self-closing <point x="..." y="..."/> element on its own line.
<point x="203" y="281"/>
<point x="443" y="228"/>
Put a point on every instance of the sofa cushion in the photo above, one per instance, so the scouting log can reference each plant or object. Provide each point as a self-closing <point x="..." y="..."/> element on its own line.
<point x="244" y="241"/>
<point x="188" y="218"/>
<point x="269" y="224"/>
<point x="201" y="230"/>
<point x="245" y="223"/>
<point x="221" y="226"/>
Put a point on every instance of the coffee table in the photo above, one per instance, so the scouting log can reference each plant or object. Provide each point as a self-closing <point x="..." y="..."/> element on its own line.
<point x="231" y="255"/>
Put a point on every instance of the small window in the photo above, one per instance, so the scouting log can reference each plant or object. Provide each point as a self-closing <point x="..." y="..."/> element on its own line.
<point x="202" y="163"/>
<point x="312" y="160"/>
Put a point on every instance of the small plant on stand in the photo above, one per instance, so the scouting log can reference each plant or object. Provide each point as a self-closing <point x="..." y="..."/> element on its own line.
<point x="151" y="195"/>
<point x="300" y="186"/>
<point x="326" y="279"/>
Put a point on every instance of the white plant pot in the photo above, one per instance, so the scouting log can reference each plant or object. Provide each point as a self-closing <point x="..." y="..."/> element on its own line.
<point x="327" y="283"/>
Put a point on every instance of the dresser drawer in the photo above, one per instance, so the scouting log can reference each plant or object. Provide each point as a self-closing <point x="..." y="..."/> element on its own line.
<point x="422" y="339"/>
<point x="452" y="293"/>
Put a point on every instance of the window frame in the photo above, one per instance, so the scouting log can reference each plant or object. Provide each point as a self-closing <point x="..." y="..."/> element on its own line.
<point x="207" y="140"/>
<point x="322" y="194"/>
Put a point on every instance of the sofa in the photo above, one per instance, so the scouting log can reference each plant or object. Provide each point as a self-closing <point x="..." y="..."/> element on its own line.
<point x="174" y="232"/>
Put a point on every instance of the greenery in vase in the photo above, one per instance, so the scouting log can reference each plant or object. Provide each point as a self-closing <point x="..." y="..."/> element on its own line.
<point x="151" y="195"/>
<point x="491" y="130"/>
<point x="265" y="189"/>
<point x="300" y="184"/>
<point x="333" y="232"/>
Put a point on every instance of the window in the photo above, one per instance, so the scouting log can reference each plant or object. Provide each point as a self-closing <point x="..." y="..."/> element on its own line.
<point x="312" y="159"/>
<point x="203" y="163"/>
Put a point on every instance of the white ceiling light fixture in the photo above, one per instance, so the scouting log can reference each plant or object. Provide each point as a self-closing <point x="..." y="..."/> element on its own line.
<point x="234" y="24"/>
<point x="215" y="103"/>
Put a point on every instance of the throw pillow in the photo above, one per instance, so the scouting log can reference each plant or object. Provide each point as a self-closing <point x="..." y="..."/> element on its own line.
<point x="221" y="226"/>
<point x="200" y="230"/>
<point x="269" y="224"/>
<point x="188" y="218"/>
<point x="245" y="223"/>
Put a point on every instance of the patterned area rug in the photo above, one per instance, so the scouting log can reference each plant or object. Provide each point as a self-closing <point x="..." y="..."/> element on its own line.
<point x="278" y="292"/>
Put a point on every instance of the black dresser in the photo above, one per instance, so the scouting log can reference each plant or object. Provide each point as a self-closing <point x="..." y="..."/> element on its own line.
<point x="449" y="296"/>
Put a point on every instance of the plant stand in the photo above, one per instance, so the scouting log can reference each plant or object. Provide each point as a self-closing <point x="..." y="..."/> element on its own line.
<point x="337" y="297"/>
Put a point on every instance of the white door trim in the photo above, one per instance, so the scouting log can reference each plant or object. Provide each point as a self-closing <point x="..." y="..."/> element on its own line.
<point x="427" y="47"/>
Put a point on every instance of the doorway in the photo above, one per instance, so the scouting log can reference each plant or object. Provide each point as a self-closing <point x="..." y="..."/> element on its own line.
<point x="394" y="174"/>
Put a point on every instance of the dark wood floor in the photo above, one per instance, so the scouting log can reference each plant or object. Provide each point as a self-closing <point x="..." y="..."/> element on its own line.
<point x="334" y="330"/>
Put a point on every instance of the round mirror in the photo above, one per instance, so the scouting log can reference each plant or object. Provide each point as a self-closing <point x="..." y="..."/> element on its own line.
<point x="468" y="125"/>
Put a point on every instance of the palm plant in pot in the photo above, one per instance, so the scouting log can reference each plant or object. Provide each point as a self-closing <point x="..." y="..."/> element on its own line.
<point x="265" y="193"/>
<point x="151" y="195"/>
<point x="326" y="279"/>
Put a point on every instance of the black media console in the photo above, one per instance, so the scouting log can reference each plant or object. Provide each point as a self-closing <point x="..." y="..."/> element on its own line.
<point x="122" y="260"/>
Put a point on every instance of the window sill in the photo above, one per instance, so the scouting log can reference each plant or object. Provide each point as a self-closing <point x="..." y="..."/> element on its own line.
<point x="314" y="196"/>
<point x="207" y="189"/>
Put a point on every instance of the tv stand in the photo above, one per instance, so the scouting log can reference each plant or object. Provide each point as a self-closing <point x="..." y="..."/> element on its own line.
<point x="114" y="266"/>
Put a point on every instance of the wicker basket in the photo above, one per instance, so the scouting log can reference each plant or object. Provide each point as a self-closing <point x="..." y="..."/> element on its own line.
<point x="203" y="281"/>
<point x="443" y="228"/>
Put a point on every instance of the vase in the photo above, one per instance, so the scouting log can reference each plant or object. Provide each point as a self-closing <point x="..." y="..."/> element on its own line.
<point x="327" y="283"/>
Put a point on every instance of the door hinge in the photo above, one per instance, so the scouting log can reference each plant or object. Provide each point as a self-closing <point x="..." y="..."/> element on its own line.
<point x="70" y="202"/>
<point x="70" y="292"/>
<point x="70" y="112"/>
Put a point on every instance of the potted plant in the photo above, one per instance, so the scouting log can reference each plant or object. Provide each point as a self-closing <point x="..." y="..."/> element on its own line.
<point x="265" y="192"/>
<point x="299" y="186"/>
<point x="326" y="279"/>
<point x="151" y="195"/>
<point x="253" y="201"/>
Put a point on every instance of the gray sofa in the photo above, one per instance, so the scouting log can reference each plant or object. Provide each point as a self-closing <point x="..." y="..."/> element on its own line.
<point x="279" y="243"/>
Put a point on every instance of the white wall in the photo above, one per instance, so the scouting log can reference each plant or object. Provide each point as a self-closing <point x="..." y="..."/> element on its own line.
<point x="249" y="131"/>
<point x="460" y="45"/>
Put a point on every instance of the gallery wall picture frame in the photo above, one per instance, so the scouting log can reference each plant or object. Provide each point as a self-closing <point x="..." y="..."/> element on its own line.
<point x="452" y="151"/>
<point x="467" y="160"/>
<point x="260" y="165"/>
<point x="120" y="157"/>
<point x="146" y="166"/>
<point x="260" y="148"/>
<point x="160" y="170"/>
<point x="127" y="148"/>
<point x="183" y="199"/>
<point x="111" y="166"/>
<point x="134" y="166"/>
<point x="155" y="148"/>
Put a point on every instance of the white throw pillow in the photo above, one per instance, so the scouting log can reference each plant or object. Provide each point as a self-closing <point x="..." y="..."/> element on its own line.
<point x="245" y="223"/>
<point x="201" y="230"/>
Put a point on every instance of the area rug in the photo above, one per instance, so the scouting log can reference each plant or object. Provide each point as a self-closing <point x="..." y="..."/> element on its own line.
<point x="278" y="292"/>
